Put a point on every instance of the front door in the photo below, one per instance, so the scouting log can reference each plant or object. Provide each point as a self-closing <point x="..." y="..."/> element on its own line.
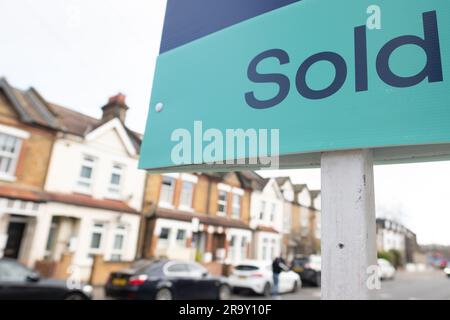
<point x="15" y="236"/>
<point x="219" y="244"/>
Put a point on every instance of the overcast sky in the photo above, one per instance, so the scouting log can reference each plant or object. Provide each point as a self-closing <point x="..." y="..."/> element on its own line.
<point x="78" y="53"/>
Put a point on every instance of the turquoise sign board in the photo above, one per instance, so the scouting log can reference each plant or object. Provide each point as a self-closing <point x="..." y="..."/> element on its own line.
<point x="309" y="77"/>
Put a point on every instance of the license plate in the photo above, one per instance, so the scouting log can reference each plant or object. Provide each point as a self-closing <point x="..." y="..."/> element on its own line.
<point x="119" y="282"/>
<point x="242" y="277"/>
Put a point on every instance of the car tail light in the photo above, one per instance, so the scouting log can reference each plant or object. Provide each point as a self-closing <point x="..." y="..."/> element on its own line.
<point x="138" y="280"/>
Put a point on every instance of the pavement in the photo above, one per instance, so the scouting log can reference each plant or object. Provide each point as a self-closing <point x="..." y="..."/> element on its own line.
<point x="426" y="285"/>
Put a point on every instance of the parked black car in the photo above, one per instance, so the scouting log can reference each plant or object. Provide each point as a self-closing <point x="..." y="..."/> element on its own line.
<point x="17" y="282"/>
<point x="166" y="280"/>
<point x="309" y="268"/>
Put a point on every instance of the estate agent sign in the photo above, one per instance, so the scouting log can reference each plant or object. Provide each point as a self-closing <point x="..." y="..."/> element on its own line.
<point x="297" y="78"/>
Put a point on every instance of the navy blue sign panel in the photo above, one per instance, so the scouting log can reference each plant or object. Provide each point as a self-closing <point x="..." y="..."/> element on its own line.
<point x="189" y="20"/>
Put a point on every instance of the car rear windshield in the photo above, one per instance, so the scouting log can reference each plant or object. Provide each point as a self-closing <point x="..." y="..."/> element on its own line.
<point x="300" y="261"/>
<point x="246" y="268"/>
<point x="149" y="268"/>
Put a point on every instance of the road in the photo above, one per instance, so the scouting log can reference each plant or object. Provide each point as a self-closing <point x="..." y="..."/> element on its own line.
<point x="429" y="285"/>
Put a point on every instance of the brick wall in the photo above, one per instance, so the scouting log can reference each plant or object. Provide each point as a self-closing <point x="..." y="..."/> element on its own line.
<point x="101" y="270"/>
<point x="295" y="227"/>
<point x="35" y="152"/>
<point x="55" y="269"/>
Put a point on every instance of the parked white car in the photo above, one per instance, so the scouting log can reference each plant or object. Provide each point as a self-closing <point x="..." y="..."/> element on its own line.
<point x="447" y="269"/>
<point x="387" y="270"/>
<point x="257" y="276"/>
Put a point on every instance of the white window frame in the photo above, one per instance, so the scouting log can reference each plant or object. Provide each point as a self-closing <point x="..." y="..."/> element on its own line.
<point x="187" y="206"/>
<point x="113" y="189"/>
<point x="264" y="249"/>
<point x="120" y="230"/>
<point x="262" y="210"/>
<point x="163" y="202"/>
<point x="51" y="239"/>
<point x="224" y="203"/>
<point x="18" y="136"/>
<point x="83" y="184"/>
<point x="273" y="212"/>
<point x="232" y="247"/>
<point x="164" y="243"/>
<point x="182" y="242"/>
<point x="304" y="219"/>
<point x="243" y="247"/>
<point x="273" y="250"/>
<point x="100" y="230"/>
<point x="189" y="178"/>
<point x="235" y="206"/>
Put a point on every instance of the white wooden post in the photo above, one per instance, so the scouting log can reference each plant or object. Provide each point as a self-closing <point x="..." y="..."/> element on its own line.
<point x="348" y="225"/>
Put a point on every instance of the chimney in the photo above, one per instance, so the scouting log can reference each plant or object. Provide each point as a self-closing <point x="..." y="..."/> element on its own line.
<point x="116" y="108"/>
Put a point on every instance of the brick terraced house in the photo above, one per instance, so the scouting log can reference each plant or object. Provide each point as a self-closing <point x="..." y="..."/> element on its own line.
<point x="69" y="183"/>
<point x="94" y="187"/>
<point x="301" y="219"/>
<point x="72" y="198"/>
<point x="27" y="132"/>
<point x="203" y="217"/>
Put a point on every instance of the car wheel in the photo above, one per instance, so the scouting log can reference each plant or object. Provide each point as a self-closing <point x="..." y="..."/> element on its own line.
<point x="318" y="280"/>
<point x="224" y="292"/>
<point x="295" y="287"/>
<point x="267" y="291"/>
<point x="75" y="296"/>
<point x="163" y="294"/>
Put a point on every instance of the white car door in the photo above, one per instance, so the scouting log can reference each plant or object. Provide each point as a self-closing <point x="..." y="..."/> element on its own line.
<point x="286" y="282"/>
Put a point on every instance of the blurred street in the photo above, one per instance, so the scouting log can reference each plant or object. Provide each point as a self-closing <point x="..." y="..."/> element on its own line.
<point x="429" y="285"/>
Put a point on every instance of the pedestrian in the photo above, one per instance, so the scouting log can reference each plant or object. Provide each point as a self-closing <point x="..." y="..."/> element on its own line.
<point x="278" y="266"/>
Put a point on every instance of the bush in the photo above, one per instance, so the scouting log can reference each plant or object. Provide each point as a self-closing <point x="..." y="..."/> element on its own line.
<point x="397" y="258"/>
<point x="386" y="256"/>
